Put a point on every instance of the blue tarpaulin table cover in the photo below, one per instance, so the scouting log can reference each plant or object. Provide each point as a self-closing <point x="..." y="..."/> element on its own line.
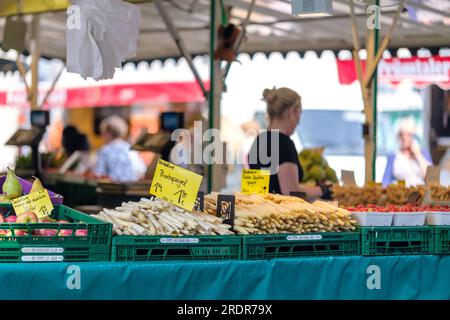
<point x="395" y="277"/>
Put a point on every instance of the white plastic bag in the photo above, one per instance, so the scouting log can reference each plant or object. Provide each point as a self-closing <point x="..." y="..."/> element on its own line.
<point x="101" y="34"/>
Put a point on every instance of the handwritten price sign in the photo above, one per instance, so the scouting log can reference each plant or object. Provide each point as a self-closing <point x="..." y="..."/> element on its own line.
<point x="37" y="202"/>
<point x="255" y="181"/>
<point x="176" y="185"/>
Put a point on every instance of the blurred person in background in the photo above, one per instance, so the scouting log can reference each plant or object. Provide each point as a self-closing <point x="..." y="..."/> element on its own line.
<point x="115" y="160"/>
<point x="284" y="110"/>
<point x="73" y="140"/>
<point x="410" y="162"/>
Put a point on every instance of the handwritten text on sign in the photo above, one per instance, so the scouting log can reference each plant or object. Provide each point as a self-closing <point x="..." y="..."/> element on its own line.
<point x="175" y="184"/>
<point x="37" y="202"/>
<point x="255" y="181"/>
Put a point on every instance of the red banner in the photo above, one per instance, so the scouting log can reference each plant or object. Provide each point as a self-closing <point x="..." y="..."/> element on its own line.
<point x="111" y="95"/>
<point x="421" y="71"/>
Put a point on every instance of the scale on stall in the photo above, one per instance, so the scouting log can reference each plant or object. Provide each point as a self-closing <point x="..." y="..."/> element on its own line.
<point x="32" y="137"/>
<point x="161" y="142"/>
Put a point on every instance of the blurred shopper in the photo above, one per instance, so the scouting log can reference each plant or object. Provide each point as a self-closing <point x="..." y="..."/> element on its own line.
<point x="283" y="111"/>
<point x="410" y="162"/>
<point x="73" y="140"/>
<point x="115" y="160"/>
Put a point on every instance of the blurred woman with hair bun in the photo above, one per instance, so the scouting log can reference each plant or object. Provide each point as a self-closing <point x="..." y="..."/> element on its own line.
<point x="284" y="108"/>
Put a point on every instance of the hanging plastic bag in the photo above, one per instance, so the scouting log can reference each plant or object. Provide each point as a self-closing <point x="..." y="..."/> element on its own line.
<point x="101" y="34"/>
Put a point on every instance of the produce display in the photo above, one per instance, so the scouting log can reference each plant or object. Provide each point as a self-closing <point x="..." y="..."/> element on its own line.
<point x="11" y="219"/>
<point x="158" y="217"/>
<point x="399" y="208"/>
<point x="12" y="188"/>
<point x="271" y="213"/>
<point x="315" y="167"/>
<point x="350" y="196"/>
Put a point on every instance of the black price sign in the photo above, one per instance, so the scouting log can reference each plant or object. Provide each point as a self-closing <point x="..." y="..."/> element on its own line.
<point x="225" y="208"/>
<point x="200" y="202"/>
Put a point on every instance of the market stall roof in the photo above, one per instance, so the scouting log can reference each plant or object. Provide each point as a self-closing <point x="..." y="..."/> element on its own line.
<point x="272" y="27"/>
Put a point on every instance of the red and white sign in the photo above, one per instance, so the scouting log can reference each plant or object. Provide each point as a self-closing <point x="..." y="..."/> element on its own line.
<point x="422" y="71"/>
<point x="111" y="95"/>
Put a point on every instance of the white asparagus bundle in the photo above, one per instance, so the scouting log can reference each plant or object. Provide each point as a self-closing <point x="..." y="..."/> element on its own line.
<point x="158" y="217"/>
<point x="262" y="214"/>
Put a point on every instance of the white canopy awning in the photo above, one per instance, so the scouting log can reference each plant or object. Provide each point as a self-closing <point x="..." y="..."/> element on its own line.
<point x="271" y="28"/>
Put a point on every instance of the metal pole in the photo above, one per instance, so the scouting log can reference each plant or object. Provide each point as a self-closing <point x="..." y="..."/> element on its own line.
<point x="241" y="35"/>
<point x="36" y="54"/>
<point x="212" y="45"/>
<point x="180" y="44"/>
<point x="375" y="101"/>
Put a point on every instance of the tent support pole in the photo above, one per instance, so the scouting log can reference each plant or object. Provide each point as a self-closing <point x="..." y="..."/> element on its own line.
<point x="365" y="92"/>
<point x="241" y="35"/>
<point x="180" y="44"/>
<point x="375" y="47"/>
<point x="23" y="74"/>
<point x="369" y="83"/>
<point x="215" y="173"/>
<point x="36" y="54"/>
<point x="52" y="88"/>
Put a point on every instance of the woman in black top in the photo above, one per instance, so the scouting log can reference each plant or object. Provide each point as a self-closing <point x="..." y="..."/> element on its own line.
<point x="275" y="151"/>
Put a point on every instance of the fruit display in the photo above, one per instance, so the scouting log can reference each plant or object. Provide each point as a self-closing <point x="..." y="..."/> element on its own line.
<point x="350" y="196"/>
<point x="158" y="217"/>
<point x="31" y="218"/>
<point x="399" y="208"/>
<point x="315" y="167"/>
<point x="271" y="213"/>
<point x="12" y="188"/>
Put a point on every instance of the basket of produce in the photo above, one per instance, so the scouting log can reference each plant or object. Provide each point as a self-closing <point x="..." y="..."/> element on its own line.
<point x="65" y="235"/>
<point x="316" y="167"/>
<point x="371" y="216"/>
<point x="437" y="215"/>
<point x="13" y="187"/>
<point x="153" y="229"/>
<point x="385" y="241"/>
<point x="400" y="216"/>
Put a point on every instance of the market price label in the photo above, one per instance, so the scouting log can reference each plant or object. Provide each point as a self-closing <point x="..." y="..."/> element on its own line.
<point x="255" y="181"/>
<point x="37" y="202"/>
<point x="175" y="185"/>
<point x="348" y="178"/>
<point x="433" y="175"/>
<point x="401" y="183"/>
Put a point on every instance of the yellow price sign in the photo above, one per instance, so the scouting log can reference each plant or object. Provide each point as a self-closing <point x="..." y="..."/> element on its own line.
<point x="37" y="202"/>
<point x="401" y="183"/>
<point x="255" y="181"/>
<point x="175" y="184"/>
<point x="374" y="184"/>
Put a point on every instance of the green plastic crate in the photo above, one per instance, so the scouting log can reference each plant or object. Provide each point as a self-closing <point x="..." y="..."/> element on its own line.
<point x="386" y="241"/>
<point x="146" y="248"/>
<point x="299" y="245"/>
<point x="96" y="246"/>
<point x="441" y="240"/>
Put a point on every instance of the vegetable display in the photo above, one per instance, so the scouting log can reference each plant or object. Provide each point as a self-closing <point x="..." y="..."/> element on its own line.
<point x="350" y="196"/>
<point x="271" y="213"/>
<point x="158" y="217"/>
<point x="399" y="208"/>
<point x="315" y="167"/>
